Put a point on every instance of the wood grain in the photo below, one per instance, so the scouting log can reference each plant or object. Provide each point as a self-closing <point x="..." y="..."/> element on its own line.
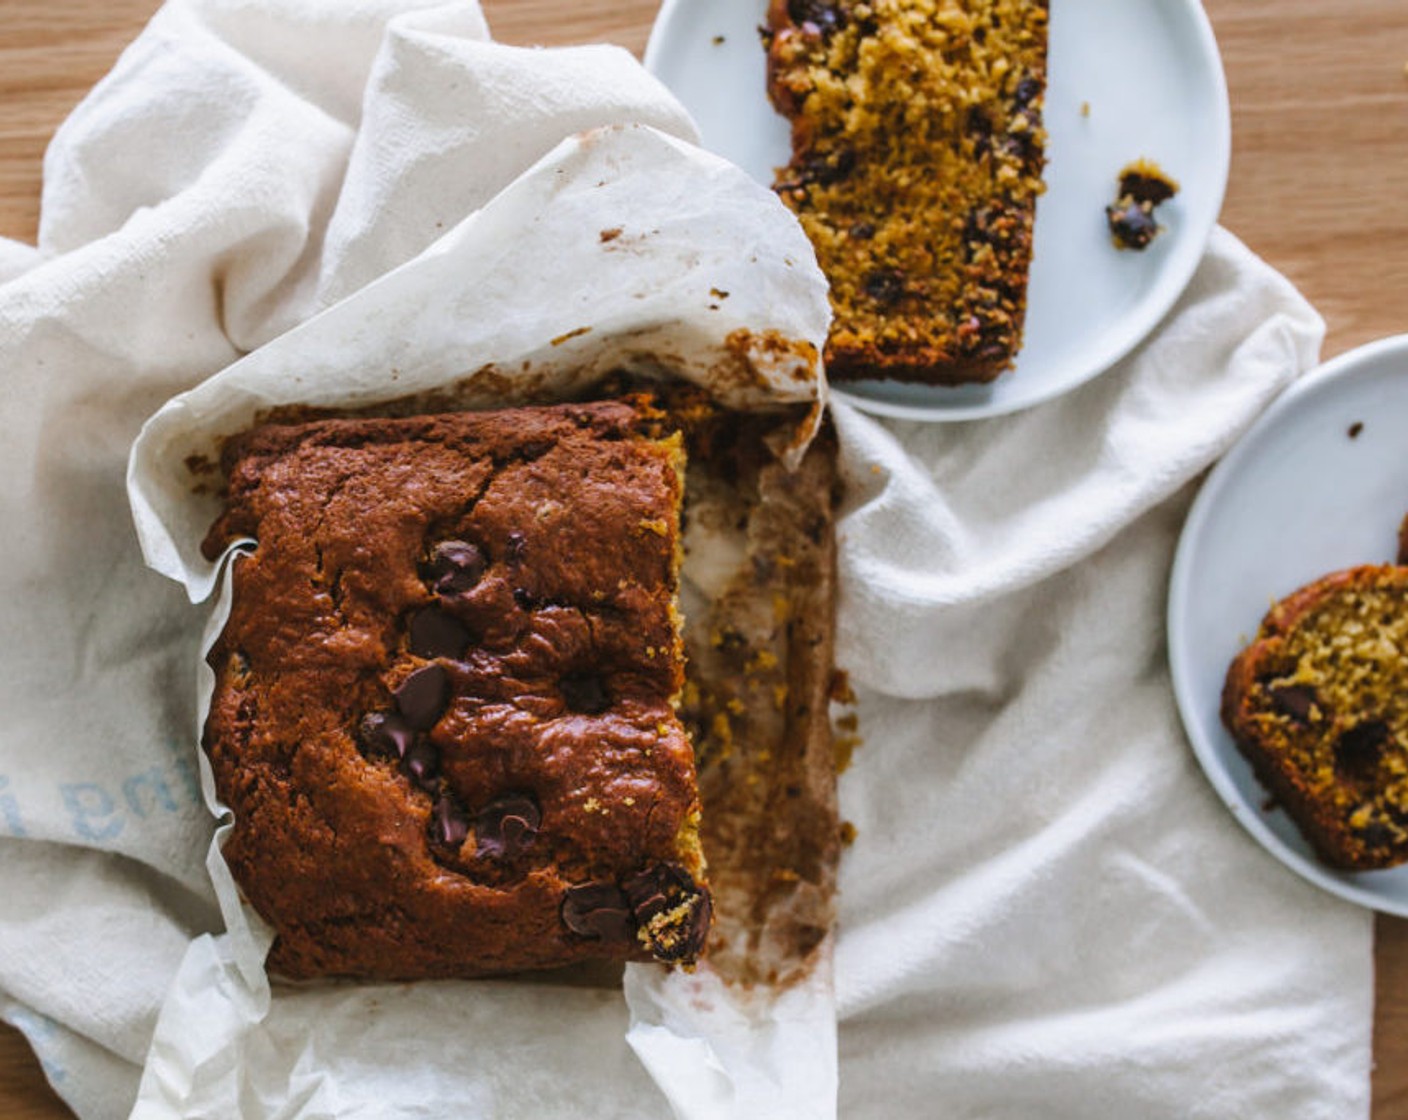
<point x="1319" y="178"/>
<point x="1320" y="152"/>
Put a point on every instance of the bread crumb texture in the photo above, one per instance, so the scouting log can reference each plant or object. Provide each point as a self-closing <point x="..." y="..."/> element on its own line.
<point x="1319" y="704"/>
<point x="918" y="150"/>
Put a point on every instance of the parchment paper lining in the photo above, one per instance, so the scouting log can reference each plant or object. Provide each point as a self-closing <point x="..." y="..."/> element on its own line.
<point x="621" y="250"/>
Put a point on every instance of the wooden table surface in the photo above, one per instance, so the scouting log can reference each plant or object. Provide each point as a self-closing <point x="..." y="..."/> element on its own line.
<point x="1319" y="183"/>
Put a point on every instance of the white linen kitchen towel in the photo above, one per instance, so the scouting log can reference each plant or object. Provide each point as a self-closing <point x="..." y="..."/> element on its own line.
<point x="1046" y="913"/>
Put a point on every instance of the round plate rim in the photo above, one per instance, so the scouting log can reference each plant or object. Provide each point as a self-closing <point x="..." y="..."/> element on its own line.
<point x="1361" y="361"/>
<point x="1154" y="313"/>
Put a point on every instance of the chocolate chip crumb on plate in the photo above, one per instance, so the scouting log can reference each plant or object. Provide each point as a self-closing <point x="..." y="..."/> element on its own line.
<point x="1144" y="186"/>
<point x="1151" y="70"/>
<point x="1293" y="501"/>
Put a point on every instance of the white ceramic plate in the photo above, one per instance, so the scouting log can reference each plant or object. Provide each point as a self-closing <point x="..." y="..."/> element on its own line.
<point x="1296" y="499"/>
<point x="1150" y="72"/>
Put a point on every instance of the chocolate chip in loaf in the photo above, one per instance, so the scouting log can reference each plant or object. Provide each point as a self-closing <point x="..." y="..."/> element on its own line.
<point x="383" y="735"/>
<point x="884" y="285"/>
<point x="1294" y="700"/>
<point x="828" y="169"/>
<point x="507" y="827"/>
<point x="449" y="824"/>
<point x="671" y="912"/>
<point x="455" y="567"/>
<point x="1360" y="749"/>
<point x="1027" y="90"/>
<point x="435" y="633"/>
<point x="861" y="231"/>
<point x="598" y="910"/>
<point x="422" y="696"/>
<point x="422" y="765"/>
<point x="585" y="693"/>
<point x="1023" y="145"/>
<point x="817" y="16"/>
<point x="980" y="129"/>
<point x="1376" y="834"/>
<point x="652" y="890"/>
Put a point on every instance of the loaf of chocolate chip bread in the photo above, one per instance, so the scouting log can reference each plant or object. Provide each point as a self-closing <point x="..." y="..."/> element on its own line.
<point x="917" y="157"/>
<point x="1318" y="703"/>
<point x="444" y="710"/>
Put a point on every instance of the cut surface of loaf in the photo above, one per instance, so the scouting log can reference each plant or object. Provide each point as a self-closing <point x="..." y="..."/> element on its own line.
<point x="444" y="710"/>
<point x="759" y="638"/>
<point x="1318" y="703"/>
<point x="917" y="157"/>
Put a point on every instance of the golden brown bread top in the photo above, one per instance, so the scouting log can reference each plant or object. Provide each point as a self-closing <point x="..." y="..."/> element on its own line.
<point x="443" y="713"/>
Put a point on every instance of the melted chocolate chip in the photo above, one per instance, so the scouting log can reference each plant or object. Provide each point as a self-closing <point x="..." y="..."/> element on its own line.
<point x="824" y="17"/>
<point x="650" y="891"/>
<point x="507" y="827"/>
<point x="1146" y="188"/>
<point x="862" y="231"/>
<point x="435" y="633"/>
<point x="455" y="567"/>
<point x="585" y="693"/>
<point x="884" y="285"/>
<point x="385" y="736"/>
<point x="1132" y="225"/>
<point x="828" y="169"/>
<point x="524" y="598"/>
<point x="1359" y="750"/>
<point x="599" y="911"/>
<point x="514" y="547"/>
<point x="823" y="169"/>
<point x="667" y="892"/>
<point x="1376" y="834"/>
<point x="1294" y="700"/>
<point x="1022" y="146"/>
<point x="1027" y="90"/>
<point x="449" y="826"/>
<point x="422" y="697"/>
<point x="422" y="765"/>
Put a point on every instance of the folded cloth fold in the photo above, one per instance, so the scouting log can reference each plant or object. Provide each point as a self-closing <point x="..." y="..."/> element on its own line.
<point x="1046" y="913"/>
